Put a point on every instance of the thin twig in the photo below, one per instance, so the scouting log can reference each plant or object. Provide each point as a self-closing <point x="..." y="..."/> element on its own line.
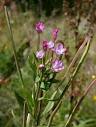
<point x="13" y="45"/>
<point x="78" y="103"/>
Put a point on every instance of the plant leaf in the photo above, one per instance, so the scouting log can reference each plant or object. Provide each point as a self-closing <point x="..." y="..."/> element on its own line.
<point x="49" y="105"/>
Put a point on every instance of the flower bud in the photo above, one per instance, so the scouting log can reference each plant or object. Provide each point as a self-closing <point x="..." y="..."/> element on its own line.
<point x="45" y="45"/>
<point x="40" y="27"/>
<point x="55" y="33"/>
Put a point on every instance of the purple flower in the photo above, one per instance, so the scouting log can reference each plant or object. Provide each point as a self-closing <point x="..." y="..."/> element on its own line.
<point x="40" y="27"/>
<point x="50" y="44"/>
<point x="60" y="50"/>
<point x="40" y="54"/>
<point x="55" y="33"/>
<point x="45" y="45"/>
<point x="57" y="65"/>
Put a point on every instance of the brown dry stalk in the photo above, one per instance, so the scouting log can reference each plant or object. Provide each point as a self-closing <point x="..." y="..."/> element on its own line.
<point x="79" y="103"/>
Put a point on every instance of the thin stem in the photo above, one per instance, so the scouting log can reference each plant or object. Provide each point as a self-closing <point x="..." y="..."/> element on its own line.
<point x="28" y="120"/>
<point x="13" y="45"/>
<point x="39" y="103"/>
<point x="53" y="113"/>
<point x="79" y="103"/>
<point x="38" y="44"/>
<point x="39" y="107"/>
<point x="70" y="80"/>
<point x="72" y="97"/>
<point x="24" y="115"/>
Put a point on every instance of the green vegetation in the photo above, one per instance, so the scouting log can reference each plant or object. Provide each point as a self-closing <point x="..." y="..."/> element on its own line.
<point x="12" y="96"/>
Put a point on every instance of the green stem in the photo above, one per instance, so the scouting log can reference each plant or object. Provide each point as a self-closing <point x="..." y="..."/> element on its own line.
<point x="28" y="120"/>
<point x="24" y="115"/>
<point x="53" y="113"/>
<point x="70" y="80"/>
<point x="39" y="102"/>
<point x="13" y="45"/>
<point x="39" y="107"/>
<point x="38" y="44"/>
<point x="78" y="104"/>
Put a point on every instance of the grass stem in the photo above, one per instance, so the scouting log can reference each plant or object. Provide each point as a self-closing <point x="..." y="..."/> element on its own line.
<point x="13" y="44"/>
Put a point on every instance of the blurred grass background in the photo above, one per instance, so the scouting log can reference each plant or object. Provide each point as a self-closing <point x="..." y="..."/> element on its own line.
<point x="23" y="31"/>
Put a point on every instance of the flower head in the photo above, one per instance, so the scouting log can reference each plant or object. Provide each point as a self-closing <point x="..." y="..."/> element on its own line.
<point x="45" y="45"/>
<point x="40" y="54"/>
<point x="50" y="44"/>
<point x="40" y="27"/>
<point x="55" y="33"/>
<point x="60" y="50"/>
<point x="57" y="65"/>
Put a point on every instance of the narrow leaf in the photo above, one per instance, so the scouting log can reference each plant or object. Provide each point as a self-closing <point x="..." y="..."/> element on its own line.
<point x="49" y="105"/>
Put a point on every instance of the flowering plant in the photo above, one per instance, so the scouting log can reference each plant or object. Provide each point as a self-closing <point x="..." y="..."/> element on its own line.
<point x="47" y="62"/>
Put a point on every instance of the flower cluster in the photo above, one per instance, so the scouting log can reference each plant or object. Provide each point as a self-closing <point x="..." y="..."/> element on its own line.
<point x="52" y="48"/>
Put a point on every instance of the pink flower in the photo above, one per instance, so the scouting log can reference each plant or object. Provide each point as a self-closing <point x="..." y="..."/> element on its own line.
<point x="40" y="27"/>
<point x="57" y="65"/>
<point x="40" y="54"/>
<point x="45" y="45"/>
<point x="50" y="44"/>
<point x="55" y="33"/>
<point x="60" y="50"/>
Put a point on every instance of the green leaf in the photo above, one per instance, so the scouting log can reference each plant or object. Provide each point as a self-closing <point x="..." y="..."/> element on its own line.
<point x="24" y="95"/>
<point x="42" y="85"/>
<point x="49" y="105"/>
<point x="37" y="79"/>
<point x="35" y="58"/>
<point x="19" y="98"/>
<point x="30" y="101"/>
<point x="55" y="81"/>
<point x="33" y="66"/>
